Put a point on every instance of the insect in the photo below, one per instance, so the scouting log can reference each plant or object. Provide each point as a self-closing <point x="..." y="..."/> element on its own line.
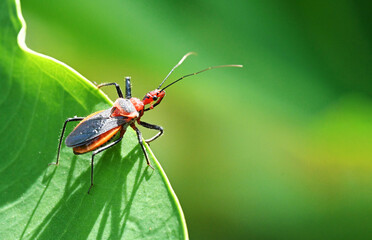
<point x="96" y="132"/>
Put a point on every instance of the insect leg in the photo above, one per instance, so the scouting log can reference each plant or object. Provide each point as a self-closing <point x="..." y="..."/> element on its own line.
<point x="139" y="135"/>
<point x="100" y="150"/>
<point x="63" y="132"/>
<point x="152" y="126"/>
<point x="120" y="94"/>
<point x="128" y="88"/>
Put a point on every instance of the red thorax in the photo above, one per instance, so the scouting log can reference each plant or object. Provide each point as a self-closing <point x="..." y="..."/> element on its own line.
<point x="150" y="97"/>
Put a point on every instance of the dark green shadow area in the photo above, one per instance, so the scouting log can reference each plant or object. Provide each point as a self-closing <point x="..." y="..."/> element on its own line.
<point x="76" y="200"/>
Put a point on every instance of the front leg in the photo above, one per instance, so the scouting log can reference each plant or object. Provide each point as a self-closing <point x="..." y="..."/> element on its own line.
<point x="152" y="126"/>
<point x="118" y="90"/>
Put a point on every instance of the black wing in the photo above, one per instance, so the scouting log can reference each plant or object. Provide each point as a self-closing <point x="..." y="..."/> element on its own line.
<point x="93" y="127"/>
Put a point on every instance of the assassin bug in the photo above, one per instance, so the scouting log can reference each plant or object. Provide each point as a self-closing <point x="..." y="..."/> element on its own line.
<point x="95" y="131"/>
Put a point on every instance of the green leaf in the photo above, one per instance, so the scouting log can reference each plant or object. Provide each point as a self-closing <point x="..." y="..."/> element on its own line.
<point x="129" y="200"/>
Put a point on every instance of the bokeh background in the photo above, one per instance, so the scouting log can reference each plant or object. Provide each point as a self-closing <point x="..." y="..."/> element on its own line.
<point x="280" y="149"/>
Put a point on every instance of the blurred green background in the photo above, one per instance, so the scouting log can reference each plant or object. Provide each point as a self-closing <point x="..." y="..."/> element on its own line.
<point x="280" y="149"/>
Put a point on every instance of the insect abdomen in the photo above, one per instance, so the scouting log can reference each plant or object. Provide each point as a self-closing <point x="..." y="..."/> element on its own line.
<point x="97" y="142"/>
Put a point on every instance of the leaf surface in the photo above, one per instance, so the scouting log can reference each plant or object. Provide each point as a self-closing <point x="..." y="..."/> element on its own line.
<point x="129" y="200"/>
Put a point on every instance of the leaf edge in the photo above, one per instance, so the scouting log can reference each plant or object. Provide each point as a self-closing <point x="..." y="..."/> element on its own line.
<point x="21" y="41"/>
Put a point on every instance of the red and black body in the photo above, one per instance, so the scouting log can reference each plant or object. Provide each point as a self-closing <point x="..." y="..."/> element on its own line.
<point x="95" y="132"/>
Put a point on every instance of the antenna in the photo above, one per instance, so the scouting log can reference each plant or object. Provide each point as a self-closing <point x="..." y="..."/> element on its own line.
<point x="179" y="63"/>
<point x="191" y="74"/>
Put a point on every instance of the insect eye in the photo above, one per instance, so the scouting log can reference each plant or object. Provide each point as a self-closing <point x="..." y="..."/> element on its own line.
<point x="154" y="98"/>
